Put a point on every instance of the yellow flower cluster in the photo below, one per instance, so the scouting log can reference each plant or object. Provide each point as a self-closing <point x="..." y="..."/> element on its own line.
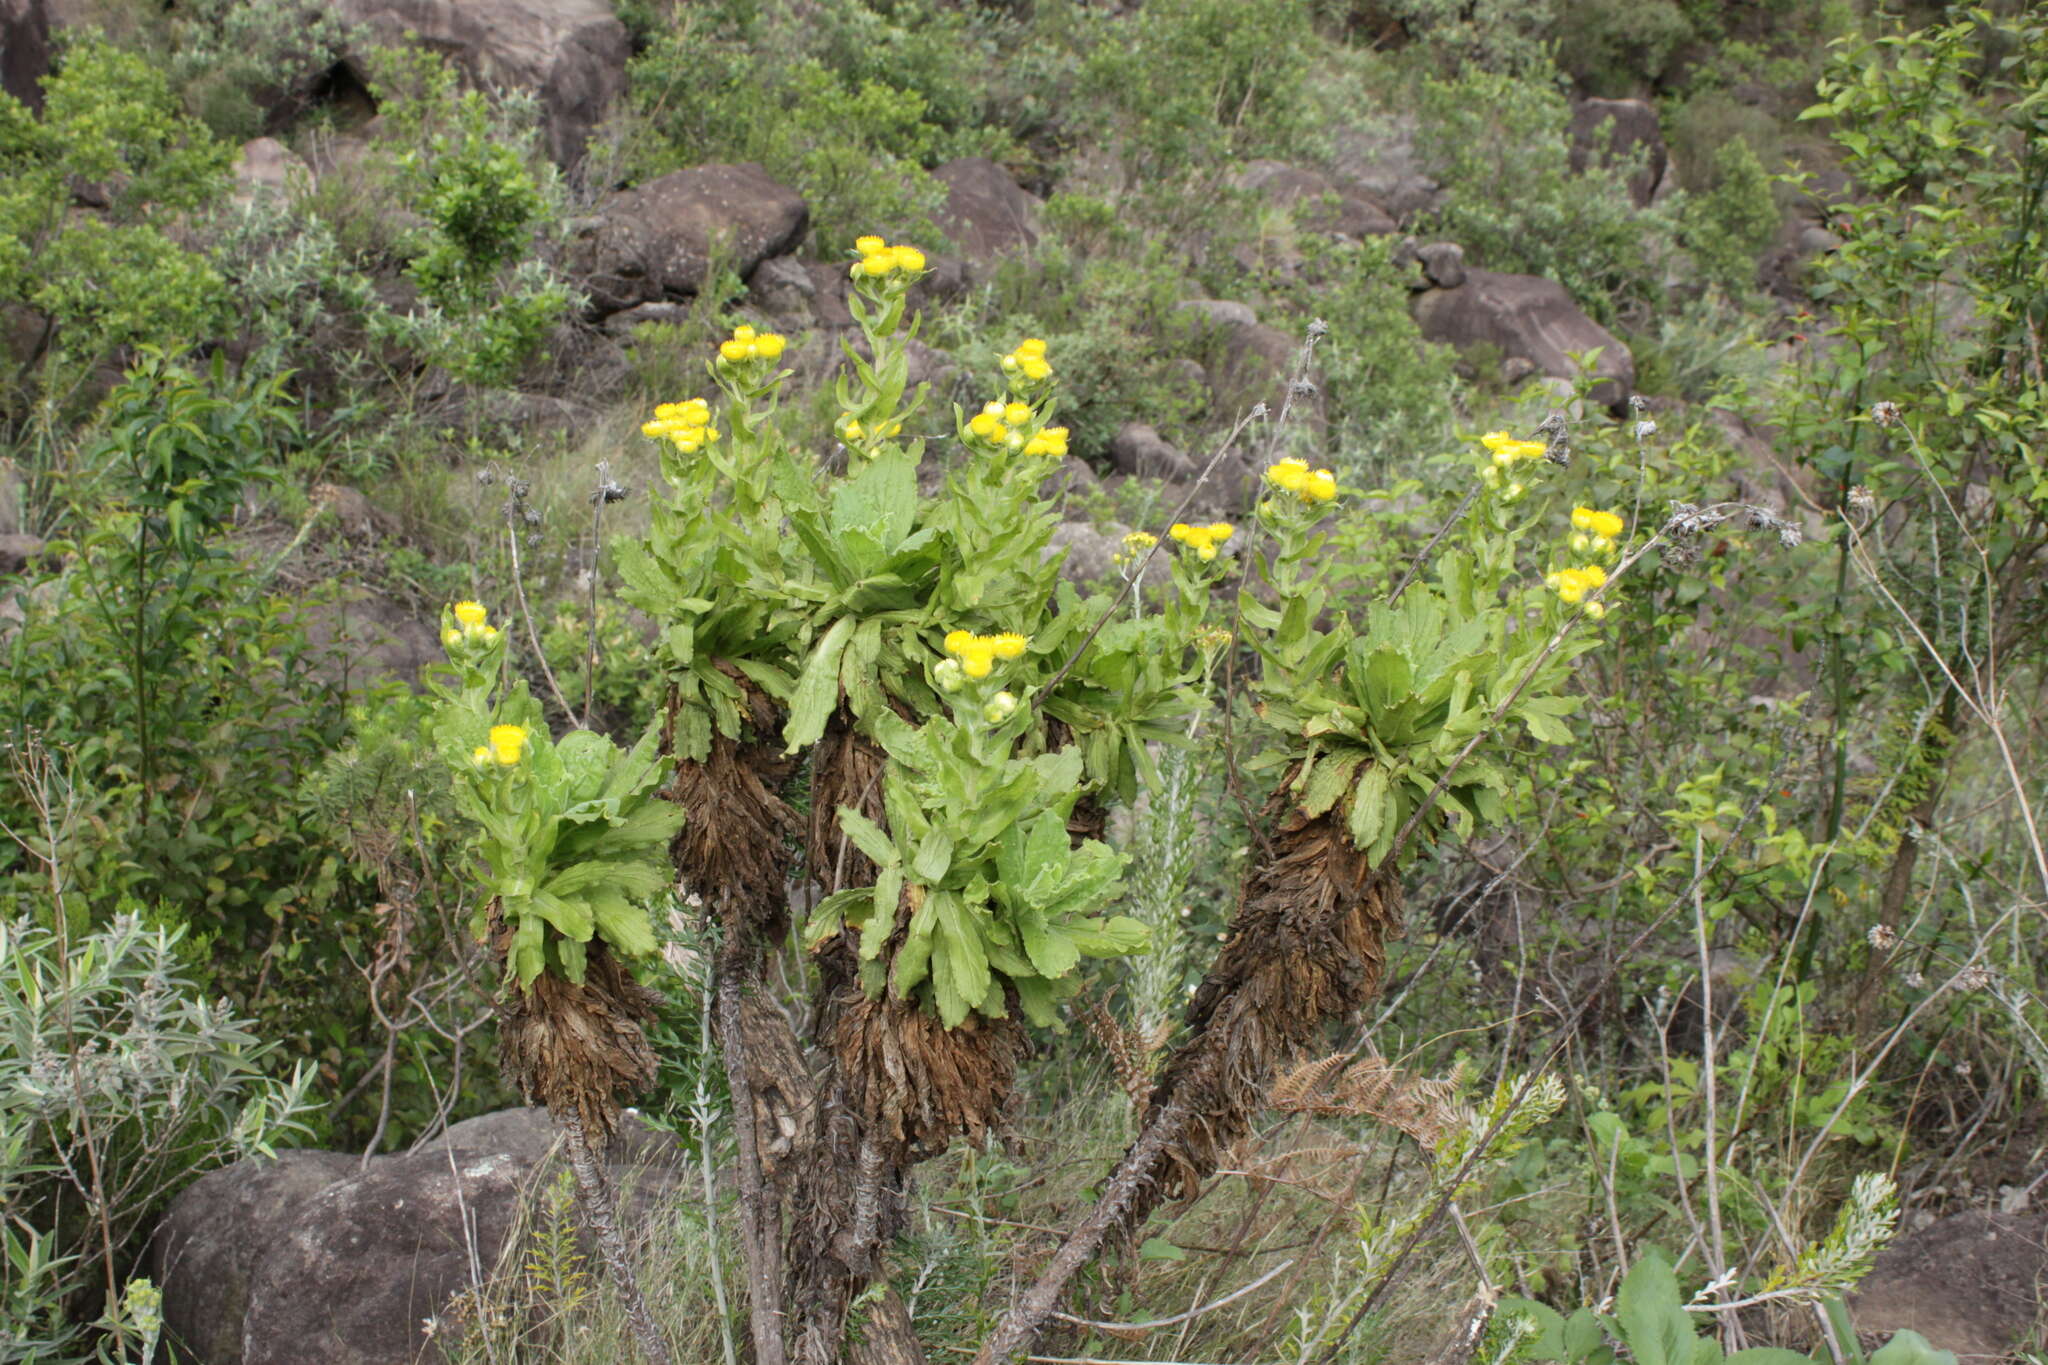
<point x="1203" y="540"/>
<point x="1597" y="531"/>
<point x="472" y="624"/>
<point x="1310" y="485"/>
<point x="1507" y="449"/>
<point x="687" y="424"/>
<point x="747" y="344"/>
<point x="993" y="422"/>
<point x="1028" y="362"/>
<point x="507" y="747"/>
<point x="879" y="259"/>
<point x="1135" y="545"/>
<point x="1572" y="585"/>
<point x="977" y="654"/>
<point x="1209" y="638"/>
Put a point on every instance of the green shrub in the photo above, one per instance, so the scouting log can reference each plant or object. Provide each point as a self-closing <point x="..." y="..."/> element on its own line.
<point x="1500" y="147"/>
<point x="1727" y="226"/>
<point x="120" y="1084"/>
<point x="97" y="282"/>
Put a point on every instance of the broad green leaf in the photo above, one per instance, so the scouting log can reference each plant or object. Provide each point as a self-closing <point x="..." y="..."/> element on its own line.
<point x="817" y="690"/>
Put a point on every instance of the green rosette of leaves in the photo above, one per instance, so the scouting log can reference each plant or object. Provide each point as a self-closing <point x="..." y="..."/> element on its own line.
<point x="999" y="898"/>
<point x="572" y="839"/>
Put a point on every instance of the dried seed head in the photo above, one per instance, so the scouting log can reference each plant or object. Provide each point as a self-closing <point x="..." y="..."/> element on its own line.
<point x="1862" y="501"/>
<point x="1885" y="413"/>
<point x="1882" y="937"/>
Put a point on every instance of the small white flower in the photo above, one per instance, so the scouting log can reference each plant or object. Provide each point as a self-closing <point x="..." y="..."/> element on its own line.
<point x="1645" y="429"/>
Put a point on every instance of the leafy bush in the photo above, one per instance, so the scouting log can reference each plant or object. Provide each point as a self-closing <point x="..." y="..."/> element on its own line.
<point x="119" y="1085"/>
<point x="100" y="281"/>
<point x="1500" y="147"/>
<point x="160" y="663"/>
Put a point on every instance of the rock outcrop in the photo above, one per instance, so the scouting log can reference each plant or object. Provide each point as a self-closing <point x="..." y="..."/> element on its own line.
<point x="1319" y="203"/>
<point x="570" y="53"/>
<point x="24" y="49"/>
<point x="986" y="213"/>
<point x="1528" y="318"/>
<point x="657" y="240"/>
<point x="1621" y="133"/>
<point x="319" y="1259"/>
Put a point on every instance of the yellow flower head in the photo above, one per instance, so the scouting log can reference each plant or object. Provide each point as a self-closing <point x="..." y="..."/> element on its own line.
<point x="1016" y="414"/>
<point x="1009" y="645"/>
<point x="1320" y="487"/>
<point x="686" y="424"/>
<point x="508" y="743"/>
<point x="909" y="259"/>
<point x="1140" y="540"/>
<point x="978" y="658"/>
<point x="1034" y="368"/>
<point x="1051" y="441"/>
<point x="878" y="258"/>
<point x="471" y="614"/>
<point x="1292" y="475"/>
<point x="869" y="246"/>
<point x="1220" y="531"/>
<point x="988" y="428"/>
<point x="1031" y="346"/>
<point x="1606" y="525"/>
<point x="480" y="756"/>
<point x="734" y="350"/>
<point x="956" y="640"/>
<point x="769" y="345"/>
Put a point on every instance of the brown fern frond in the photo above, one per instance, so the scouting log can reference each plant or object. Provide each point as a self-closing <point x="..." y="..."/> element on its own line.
<point x="1292" y="1092"/>
<point x="1426" y="1109"/>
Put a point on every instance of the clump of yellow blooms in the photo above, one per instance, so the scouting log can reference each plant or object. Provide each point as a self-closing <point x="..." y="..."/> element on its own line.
<point x="1203" y="540"/>
<point x="1508" y="449"/>
<point x="1051" y="441"/>
<point x="687" y="424"/>
<point x="1572" y="585"/>
<point x="1597" y="531"/>
<point x="1028" y="362"/>
<point x="1209" y="638"/>
<point x="977" y="655"/>
<point x="472" y="625"/>
<point x="508" y="744"/>
<point x="1507" y="452"/>
<point x="1310" y="485"/>
<point x="747" y="344"/>
<point x="878" y="260"/>
<point x="1135" y="545"/>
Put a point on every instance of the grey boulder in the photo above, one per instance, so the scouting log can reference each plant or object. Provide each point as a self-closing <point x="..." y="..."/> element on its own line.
<point x="1526" y="317"/>
<point x="658" y="240"/>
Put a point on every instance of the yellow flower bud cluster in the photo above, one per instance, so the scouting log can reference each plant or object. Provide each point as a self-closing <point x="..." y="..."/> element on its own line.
<point x="978" y="654"/>
<point x="1135" y="545"/>
<point x="1027" y="364"/>
<point x="507" y="747"/>
<point x="1572" y="585"/>
<point x="1203" y="540"/>
<point x="472" y="626"/>
<point x="687" y="424"/>
<point x="1051" y="441"/>
<point x="747" y="344"/>
<point x="1209" y="638"/>
<point x="1310" y="485"/>
<point x="879" y="260"/>
<point x="1507" y="452"/>
<point x="852" y="432"/>
<point x="1598" y="531"/>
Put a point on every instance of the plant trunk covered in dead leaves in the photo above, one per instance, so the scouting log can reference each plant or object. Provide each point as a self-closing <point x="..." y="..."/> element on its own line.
<point x="824" y="1158"/>
<point x="1306" y="949"/>
<point x="575" y="1047"/>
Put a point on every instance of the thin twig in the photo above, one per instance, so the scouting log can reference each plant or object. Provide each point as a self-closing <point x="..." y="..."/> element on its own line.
<point x="1197" y="1312"/>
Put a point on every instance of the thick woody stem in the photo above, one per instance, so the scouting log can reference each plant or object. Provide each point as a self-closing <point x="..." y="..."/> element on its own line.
<point x="601" y="1218"/>
<point x="1020" y="1325"/>
<point x="758" y="1226"/>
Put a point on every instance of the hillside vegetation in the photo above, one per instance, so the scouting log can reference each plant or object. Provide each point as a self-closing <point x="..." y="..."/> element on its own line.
<point x="1316" y="681"/>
